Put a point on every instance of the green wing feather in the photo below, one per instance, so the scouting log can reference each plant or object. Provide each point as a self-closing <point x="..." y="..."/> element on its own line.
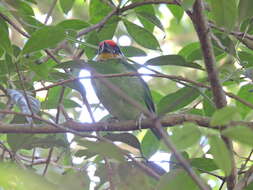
<point x="147" y="94"/>
<point x="134" y="87"/>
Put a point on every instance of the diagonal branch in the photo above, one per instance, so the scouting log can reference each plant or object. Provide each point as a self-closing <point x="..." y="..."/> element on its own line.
<point x="118" y="11"/>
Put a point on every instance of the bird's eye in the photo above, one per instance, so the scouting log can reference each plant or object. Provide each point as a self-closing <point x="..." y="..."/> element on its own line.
<point x="101" y="48"/>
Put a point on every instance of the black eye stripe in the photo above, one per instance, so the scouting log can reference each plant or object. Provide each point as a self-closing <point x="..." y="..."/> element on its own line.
<point x="107" y="48"/>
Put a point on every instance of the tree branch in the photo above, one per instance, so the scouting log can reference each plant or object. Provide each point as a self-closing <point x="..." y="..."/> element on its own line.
<point x="201" y="26"/>
<point x="69" y="126"/>
<point x="203" y="32"/>
<point x="246" y="180"/>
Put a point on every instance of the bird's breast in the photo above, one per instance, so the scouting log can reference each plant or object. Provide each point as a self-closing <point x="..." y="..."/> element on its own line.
<point x="106" y="56"/>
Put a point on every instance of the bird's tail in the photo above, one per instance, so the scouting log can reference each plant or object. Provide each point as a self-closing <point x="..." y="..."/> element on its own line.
<point x="157" y="133"/>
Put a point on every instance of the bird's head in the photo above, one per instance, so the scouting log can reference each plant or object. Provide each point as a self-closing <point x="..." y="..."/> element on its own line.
<point x="108" y="49"/>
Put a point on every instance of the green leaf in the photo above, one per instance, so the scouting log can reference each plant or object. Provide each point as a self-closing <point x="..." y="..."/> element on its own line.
<point x="92" y="38"/>
<point x="105" y="149"/>
<point x="53" y="100"/>
<point x="188" y="50"/>
<point x="176" y="60"/>
<point x="9" y="63"/>
<point x="246" y="94"/>
<point x="225" y="41"/>
<point x="149" y="144"/>
<point x="132" y="178"/>
<point x="78" y="86"/>
<point x="245" y="10"/>
<point x="29" y="141"/>
<point x="85" y="153"/>
<point x="45" y="37"/>
<point x="73" y="24"/>
<point x="187" y="4"/>
<point x="98" y="10"/>
<point x="151" y="18"/>
<point x="66" y="5"/>
<point x="206" y="164"/>
<point x="220" y="154"/>
<point x="246" y="59"/>
<point x="15" y="177"/>
<point x="249" y="186"/>
<point x="24" y="8"/>
<point x="126" y="138"/>
<point x="16" y="141"/>
<point x="176" y="179"/>
<point x="4" y="38"/>
<point x="33" y="23"/>
<point x="149" y="9"/>
<point x="177" y="100"/>
<point x="181" y="138"/>
<point x="68" y="103"/>
<point x="240" y="133"/>
<point x="140" y="35"/>
<point x="177" y="11"/>
<point x="174" y="164"/>
<point x="224" y="116"/>
<point x="73" y="64"/>
<point x="224" y="13"/>
<point x="108" y="30"/>
<point x="75" y="180"/>
<point x="208" y="105"/>
<point x="130" y="51"/>
<point x="156" y="96"/>
<point x="41" y="70"/>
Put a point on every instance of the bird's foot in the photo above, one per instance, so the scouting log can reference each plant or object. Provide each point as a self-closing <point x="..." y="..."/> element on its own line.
<point x="138" y="122"/>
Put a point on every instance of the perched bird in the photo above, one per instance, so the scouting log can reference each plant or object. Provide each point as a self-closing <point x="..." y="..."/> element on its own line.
<point x="110" y="60"/>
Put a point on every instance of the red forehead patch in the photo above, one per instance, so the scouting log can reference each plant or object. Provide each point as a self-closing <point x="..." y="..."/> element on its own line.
<point x="110" y="42"/>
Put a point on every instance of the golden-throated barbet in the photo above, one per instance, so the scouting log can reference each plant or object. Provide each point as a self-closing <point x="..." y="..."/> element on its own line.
<point x="110" y="60"/>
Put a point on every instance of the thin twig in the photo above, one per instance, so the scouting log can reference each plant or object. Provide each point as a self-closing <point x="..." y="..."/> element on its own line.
<point x="50" y="11"/>
<point x="56" y="121"/>
<point x="144" y="168"/>
<point x="48" y="161"/>
<point x="246" y="180"/>
<point x="117" y="11"/>
<point x="23" y="88"/>
<point x="5" y="148"/>
<point x="246" y="162"/>
<point x="171" y="77"/>
<point x="234" y="33"/>
<point x="109" y="173"/>
<point x="222" y="184"/>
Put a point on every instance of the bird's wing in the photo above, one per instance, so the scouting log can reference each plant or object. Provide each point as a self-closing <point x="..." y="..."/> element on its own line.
<point x="147" y="94"/>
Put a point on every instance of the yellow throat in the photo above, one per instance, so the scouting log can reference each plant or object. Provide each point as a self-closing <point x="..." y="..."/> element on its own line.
<point x="105" y="56"/>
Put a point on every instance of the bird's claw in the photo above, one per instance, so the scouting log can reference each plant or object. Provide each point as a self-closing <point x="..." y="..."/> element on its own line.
<point x="138" y="122"/>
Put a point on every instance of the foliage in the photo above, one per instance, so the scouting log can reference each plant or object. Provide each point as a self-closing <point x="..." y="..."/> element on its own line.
<point x="45" y="45"/>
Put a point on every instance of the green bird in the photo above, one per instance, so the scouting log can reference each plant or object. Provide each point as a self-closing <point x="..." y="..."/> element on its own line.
<point x="110" y="60"/>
